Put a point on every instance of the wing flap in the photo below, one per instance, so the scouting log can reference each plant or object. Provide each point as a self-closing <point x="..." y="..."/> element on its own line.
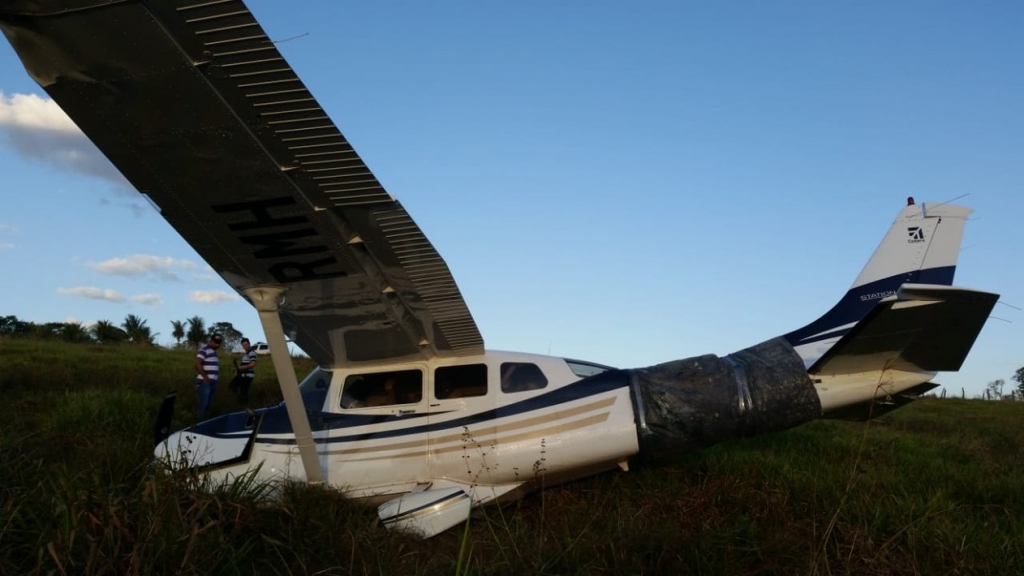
<point x="924" y="328"/>
<point x="199" y="111"/>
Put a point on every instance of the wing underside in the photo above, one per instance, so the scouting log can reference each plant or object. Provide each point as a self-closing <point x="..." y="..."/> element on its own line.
<point x="200" y="112"/>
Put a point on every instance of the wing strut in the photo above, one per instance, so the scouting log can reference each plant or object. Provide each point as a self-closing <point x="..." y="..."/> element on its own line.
<point x="266" y="299"/>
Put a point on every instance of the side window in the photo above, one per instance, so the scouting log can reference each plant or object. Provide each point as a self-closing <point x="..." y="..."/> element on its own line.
<point x="460" y="381"/>
<point x="584" y="369"/>
<point x="382" y="389"/>
<point x="521" y="376"/>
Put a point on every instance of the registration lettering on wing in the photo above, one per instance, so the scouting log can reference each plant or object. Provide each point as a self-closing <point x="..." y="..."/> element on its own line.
<point x="291" y="246"/>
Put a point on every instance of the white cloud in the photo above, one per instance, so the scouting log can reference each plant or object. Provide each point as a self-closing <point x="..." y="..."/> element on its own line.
<point x="34" y="112"/>
<point x="149" y="299"/>
<point x="137" y="265"/>
<point x="212" y="296"/>
<point x="94" y="293"/>
<point x="6" y="246"/>
<point x="38" y="129"/>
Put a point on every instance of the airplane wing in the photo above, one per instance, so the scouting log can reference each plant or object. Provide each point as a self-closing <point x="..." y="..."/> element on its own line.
<point x="201" y="113"/>
<point x="926" y="328"/>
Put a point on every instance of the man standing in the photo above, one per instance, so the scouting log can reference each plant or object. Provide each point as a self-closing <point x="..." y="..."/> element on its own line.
<point x="207" y="370"/>
<point x="246" y="372"/>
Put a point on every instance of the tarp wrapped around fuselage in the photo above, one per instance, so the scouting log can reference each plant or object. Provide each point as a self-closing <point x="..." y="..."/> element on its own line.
<point x="686" y="405"/>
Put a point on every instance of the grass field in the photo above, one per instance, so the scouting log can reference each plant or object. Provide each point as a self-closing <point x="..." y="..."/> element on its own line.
<point x="934" y="488"/>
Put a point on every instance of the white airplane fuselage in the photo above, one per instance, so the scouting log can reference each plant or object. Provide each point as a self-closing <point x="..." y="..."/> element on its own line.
<point x="480" y="438"/>
<point x="432" y="437"/>
<point x="488" y="439"/>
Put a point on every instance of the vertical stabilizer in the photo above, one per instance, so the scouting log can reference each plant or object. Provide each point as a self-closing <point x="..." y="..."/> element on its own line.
<point x="921" y="247"/>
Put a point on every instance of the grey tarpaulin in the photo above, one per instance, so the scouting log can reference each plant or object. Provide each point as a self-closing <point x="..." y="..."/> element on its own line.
<point x="686" y="405"/>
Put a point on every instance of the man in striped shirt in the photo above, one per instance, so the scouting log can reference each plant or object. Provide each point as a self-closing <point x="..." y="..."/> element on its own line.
<point x="246" y="372"/>
<point x="207" y="370"/>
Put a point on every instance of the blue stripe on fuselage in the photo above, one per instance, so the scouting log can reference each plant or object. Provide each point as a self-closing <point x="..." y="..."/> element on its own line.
<point x="276" y="419"/>
<point x="858" y="301"/>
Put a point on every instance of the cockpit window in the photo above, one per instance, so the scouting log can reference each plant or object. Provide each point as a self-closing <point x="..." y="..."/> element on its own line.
<point x="382" y="389"/>
<point x="521" y="376"/>
<point x="460" y="381"/>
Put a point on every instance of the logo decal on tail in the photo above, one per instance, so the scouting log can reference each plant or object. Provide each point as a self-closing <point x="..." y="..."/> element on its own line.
<point x="916" y="234"/>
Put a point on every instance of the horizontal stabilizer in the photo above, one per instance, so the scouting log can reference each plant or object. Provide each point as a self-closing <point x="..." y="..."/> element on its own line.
<point x="880" y="406"/>
<point x="923" y="328"/>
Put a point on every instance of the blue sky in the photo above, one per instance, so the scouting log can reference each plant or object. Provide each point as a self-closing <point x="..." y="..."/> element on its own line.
<point x="623" y="183"/>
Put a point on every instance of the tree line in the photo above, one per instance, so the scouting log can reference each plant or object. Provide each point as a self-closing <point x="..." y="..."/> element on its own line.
<point x="189" y="333"/>
<point x="994" y="389"/>
<point x="193" y="333"/>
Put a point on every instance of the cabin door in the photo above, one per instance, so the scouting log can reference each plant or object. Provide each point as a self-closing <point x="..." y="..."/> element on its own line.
<point x="378" y="442"/>
<point x="461" y="433"/>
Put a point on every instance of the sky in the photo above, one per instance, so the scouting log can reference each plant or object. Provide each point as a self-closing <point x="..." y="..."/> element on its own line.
<point x="626" y="183"/>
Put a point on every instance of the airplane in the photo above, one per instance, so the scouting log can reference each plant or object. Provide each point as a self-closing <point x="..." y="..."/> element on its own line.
<point x="408" y="410"/>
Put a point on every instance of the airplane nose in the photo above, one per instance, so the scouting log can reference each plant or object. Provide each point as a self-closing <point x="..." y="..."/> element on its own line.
<point x="220" y="441"/>
<point x="169" y="450"/>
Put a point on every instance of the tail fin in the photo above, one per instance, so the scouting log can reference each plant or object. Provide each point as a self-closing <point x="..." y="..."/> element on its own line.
<point x="921" y="247"/>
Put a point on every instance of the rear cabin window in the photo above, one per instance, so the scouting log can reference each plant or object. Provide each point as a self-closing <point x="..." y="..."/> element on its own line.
<point x="521" y="376"/>
<point x="584" y="369"/>
<point x="460" y="381"/>
<point x="382" y="389"/>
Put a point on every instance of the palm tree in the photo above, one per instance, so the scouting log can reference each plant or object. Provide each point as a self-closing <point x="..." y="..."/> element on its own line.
<point x="105" y="332"/>
<point x="74" y="332"/>
<point x="196" y="332"/>
<point x="177" y="331"/>
<point x="138" y="332"/>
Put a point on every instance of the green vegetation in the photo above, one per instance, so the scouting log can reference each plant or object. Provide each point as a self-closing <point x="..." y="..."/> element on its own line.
<point x="191" y="333"/>
<point x="934" y="488"/>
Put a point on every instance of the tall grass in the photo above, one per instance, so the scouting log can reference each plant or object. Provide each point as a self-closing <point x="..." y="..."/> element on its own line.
<point x="934" y="488"/>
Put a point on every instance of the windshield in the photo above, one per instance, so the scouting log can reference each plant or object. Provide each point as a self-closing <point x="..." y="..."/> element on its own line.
<point x="318" y="379"/>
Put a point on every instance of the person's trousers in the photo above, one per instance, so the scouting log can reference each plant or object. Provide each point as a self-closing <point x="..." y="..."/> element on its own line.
<point x="204" y="394"/>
